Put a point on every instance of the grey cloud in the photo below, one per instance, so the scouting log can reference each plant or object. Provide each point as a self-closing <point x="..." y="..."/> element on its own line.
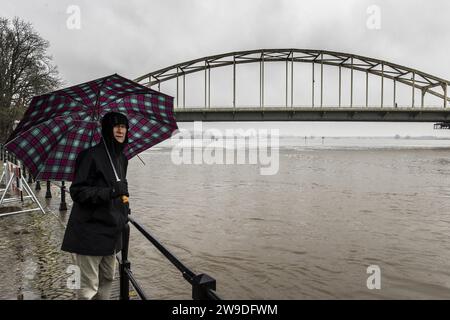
<point x="136" y="37"/>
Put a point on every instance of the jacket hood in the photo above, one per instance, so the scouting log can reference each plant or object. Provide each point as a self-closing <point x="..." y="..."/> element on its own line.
<point x="110" y="120"/>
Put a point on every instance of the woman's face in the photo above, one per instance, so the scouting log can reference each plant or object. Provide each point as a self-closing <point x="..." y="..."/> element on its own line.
<point x="120" y="132"/>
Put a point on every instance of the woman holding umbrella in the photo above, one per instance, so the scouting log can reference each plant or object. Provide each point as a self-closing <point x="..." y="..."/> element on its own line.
<point x="61" y="138"/>
<point x="99" y="213"/>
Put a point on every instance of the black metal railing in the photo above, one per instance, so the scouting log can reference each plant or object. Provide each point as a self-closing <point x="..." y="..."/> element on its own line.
<point x="203" y="286"/>
<point x="48" y="193"/>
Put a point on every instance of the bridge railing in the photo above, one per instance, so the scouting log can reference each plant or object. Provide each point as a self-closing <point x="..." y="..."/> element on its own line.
<point x="203" y="286"/>
<point x="330" y="106"/>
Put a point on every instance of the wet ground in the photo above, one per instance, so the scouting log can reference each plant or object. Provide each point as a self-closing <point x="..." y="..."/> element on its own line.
<point x="32" y="264"/>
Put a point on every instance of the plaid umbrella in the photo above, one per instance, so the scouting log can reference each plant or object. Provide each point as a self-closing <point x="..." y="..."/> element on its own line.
<point x="57" y="126"/>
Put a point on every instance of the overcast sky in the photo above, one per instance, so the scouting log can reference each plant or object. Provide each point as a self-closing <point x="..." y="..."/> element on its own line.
<point x="136" y="37"/>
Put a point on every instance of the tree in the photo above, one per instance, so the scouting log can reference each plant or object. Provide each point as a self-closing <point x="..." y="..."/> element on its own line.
<point x="25" y="70"/>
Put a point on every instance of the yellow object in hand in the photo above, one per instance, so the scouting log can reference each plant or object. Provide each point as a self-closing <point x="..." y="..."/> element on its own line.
<point x="124" y="199"/>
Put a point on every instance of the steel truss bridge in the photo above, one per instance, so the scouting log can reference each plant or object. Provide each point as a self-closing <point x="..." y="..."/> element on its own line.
<point x="416" y="80"/>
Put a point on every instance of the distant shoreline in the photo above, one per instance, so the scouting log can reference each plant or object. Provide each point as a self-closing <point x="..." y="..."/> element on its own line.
<point x="207" y="137"/>
<point x="372" y="137"/>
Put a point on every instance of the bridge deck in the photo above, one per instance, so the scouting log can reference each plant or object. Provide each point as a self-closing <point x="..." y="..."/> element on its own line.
<point x="385" y="114"/>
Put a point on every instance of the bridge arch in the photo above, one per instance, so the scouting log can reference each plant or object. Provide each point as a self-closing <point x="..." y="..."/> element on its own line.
<point x="414" y="78"/>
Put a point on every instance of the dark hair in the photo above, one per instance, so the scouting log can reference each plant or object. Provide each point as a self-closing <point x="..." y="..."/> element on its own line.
<point x="109" y="121"/>
<point x="112" y="119"/>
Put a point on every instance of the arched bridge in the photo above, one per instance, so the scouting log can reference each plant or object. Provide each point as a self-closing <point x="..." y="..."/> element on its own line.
<point x="363" y="75"/>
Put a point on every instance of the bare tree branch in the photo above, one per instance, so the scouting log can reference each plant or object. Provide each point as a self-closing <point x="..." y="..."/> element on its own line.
<point x="26" y="70"/>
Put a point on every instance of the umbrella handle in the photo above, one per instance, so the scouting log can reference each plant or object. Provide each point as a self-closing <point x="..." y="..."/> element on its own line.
<point x="124" y="199"/>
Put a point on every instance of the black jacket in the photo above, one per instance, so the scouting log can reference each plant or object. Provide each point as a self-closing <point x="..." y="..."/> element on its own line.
<point x="96" y="220"/>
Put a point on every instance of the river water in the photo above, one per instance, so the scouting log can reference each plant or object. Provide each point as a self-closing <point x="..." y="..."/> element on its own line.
<point x="334" y="208"/>
<point x="310" y="231"/>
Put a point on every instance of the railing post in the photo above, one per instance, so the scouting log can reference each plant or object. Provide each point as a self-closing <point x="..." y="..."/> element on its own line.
<point x="124" y="265"/>
<point x="30" y="178"/>
<point x="48" y="194"/>
<point x="19" y="178"/>
<point x="23" y="171"/>
<point x="200" y="285"/>
<point x="63" y="205"/>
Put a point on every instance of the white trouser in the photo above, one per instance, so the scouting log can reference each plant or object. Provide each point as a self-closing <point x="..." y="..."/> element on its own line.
<point x="97" y="275"/>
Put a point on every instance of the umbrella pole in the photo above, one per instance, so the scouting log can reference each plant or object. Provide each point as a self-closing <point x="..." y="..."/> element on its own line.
<point x="124" y="198"/>
<point x="110" y="161"/>
<point x="141" y="159"/>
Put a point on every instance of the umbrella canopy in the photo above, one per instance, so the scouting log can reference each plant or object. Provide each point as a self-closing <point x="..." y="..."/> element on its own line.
<point x="57" y="126"/>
